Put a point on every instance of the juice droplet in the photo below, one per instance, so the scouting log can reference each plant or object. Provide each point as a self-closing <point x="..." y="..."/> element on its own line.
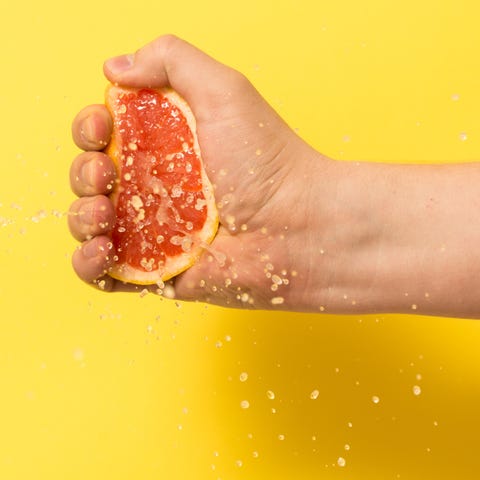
<point x="244" y="297"/>
<point x="78" y="355"/>
<point x="314" y="395"/>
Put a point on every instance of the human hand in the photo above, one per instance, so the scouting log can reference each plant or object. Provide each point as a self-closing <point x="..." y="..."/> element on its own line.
<point x="298" y="231"/>
<point x="261" y="171"/>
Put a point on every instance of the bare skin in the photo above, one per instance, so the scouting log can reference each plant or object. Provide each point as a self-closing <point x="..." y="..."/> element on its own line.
<point x="300" y="231"/>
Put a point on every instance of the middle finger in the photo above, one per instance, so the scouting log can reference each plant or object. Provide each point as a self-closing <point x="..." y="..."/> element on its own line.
<point x="91" y="216"/>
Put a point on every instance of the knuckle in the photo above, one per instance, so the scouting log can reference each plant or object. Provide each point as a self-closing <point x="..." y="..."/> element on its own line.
<point x="164" y="45"/>
<point x="91" y="216"/>
<point x="78" y="182"/>
<point x="168" y="39"/>
<point x="92" y="173"/>
<point x="239" y="81"/>
<point x="167" y="49"/>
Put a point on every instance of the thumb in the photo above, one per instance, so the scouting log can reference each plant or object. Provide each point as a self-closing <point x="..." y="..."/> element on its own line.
<point x="170" y="61"/>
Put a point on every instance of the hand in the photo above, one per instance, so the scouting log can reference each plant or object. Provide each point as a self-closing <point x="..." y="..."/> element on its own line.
<point x="298" y="231"/>
<point x="262" y="172"/>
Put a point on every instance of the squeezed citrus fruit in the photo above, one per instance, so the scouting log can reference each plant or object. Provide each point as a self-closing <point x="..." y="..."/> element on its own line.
<point x="163" y="199"/>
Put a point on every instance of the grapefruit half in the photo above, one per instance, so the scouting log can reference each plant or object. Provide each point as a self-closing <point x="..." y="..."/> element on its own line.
<point x="164" y="203"/>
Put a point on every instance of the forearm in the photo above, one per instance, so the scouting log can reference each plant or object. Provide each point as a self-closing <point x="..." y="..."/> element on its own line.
<point x="401" y="238"/>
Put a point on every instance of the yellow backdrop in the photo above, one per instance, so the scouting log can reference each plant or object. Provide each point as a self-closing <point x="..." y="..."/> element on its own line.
<point x="97" y="386"/>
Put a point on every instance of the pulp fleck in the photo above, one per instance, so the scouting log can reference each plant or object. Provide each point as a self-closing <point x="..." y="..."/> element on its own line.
<point x="176" y="191"/>
<point x="187" y="244"/>
<point x="147" y="264"/>
<point x="176" y="240"/>
<point x="136" y="202"/>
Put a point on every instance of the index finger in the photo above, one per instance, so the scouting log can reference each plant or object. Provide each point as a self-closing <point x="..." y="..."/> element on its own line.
<point x="92" y="128"/>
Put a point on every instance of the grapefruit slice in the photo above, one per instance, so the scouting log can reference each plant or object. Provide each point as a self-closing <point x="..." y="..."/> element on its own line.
<point x="164" y="203"/>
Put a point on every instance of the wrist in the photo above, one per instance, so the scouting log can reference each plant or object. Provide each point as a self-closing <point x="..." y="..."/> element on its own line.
<point x="347" y="243"/>
<point x="365" y="242"/>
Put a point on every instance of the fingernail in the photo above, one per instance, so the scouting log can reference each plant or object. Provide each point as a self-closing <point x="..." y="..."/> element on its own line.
<point x="90" y="249"/>
<point x="120" y="64"/>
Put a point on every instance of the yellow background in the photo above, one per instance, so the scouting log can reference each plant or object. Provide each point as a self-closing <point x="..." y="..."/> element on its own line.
<point x="96" y="386"/>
